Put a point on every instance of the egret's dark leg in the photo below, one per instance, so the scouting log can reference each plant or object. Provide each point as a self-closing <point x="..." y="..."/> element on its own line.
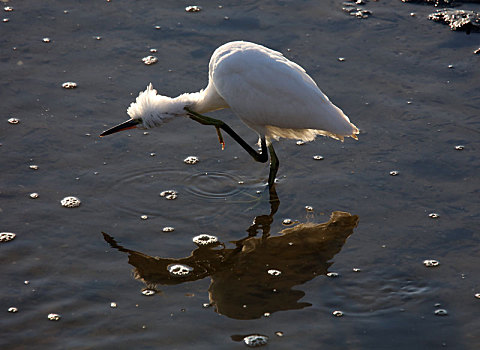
<point x="218" y="124"/>
<point x="262" y="222"/>
<point x="274" y="163"/>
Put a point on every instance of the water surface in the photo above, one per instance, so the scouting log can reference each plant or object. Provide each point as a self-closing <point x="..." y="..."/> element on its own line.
<point x="394" y="83"/>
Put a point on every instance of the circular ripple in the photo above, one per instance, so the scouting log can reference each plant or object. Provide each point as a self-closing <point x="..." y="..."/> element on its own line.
<point x="213" y="185"/>
<point x="137" y="192"/>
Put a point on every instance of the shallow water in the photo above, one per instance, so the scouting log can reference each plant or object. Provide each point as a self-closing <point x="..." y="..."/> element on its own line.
<point x="395" y="84"/>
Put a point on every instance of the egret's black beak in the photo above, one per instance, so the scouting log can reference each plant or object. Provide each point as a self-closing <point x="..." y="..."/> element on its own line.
<point x="129" y="124"/>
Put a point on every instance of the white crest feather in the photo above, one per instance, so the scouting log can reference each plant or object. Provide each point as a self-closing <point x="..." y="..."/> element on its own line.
<point x="154" y="109"/>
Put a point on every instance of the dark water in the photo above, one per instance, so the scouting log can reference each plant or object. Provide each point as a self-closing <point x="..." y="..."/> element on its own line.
<point x="395" y="84"/>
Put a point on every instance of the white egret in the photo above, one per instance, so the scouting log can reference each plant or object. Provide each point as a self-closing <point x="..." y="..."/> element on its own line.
<point x="271" y="94"/>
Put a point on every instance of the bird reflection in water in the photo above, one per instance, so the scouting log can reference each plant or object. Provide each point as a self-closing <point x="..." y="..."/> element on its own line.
<point x="258" y="274"/>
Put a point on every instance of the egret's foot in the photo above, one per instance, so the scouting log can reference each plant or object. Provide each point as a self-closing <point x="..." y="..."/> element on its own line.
<point x="220" y="137"/>
<point x="204" y="120"/>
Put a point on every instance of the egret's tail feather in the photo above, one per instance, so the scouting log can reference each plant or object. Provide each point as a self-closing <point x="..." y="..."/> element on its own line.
<point x="306" y="134"/>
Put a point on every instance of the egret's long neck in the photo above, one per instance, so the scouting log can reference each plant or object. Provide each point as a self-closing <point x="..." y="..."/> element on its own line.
<point x="204" y="101"/>
<point x="192" y="100"/>
<point x="154" y="110"/>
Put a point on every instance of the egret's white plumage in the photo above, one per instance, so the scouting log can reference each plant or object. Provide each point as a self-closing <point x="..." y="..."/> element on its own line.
<point x="271" y="94"/>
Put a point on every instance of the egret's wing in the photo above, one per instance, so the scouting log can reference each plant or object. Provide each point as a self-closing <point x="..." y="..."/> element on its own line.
<point x="269" y="92"/>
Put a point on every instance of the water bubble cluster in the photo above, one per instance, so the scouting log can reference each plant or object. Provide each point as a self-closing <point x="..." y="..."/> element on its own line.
<point x="204" y="239"/>
<point x="70" y="202"/>
<point x="54" y="317"/>
<point x="12" y="309"/>
<point x="7" y="236"/>
<point x="332" y="274"/>
<point x="33" y="167"/>
<point x="434" y="215"/>
<point x="14" y="120"/>
<point x="394" y="172"/>
<point x="148" y="60"/>
<point x="193" y="8"/>
<point x="459" y="147"/>
<point x="431" y="263"/>
<point x="46" y="40"/>
<point x="148" y="292"/>
<point x="179" y="269"/>
<point x="255" y="340"/>
<point x="318" y="157"/>
<point x="144" y="217"/>
<point x="113" y="305"/>
<point x="337" y="313"/>
<point x="191" y="160"/>
<point x="308" y="208"/>
<point x="352" y="10"/>
<point x="8" y="9"/>
<point x="169" y="194"/>
<point x="69" y="85"/>
<point x="477" y="295"/>
<point x="168" y="229"/>
<point x="300" y="143"/>
<point x="273" y="272"/>
<point x="441" y="312"/>
<point x="287" y="222"/>
<point x="34" y="195"/>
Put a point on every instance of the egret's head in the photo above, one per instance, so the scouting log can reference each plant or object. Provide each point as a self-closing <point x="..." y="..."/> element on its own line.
<point x="148" y="110"/>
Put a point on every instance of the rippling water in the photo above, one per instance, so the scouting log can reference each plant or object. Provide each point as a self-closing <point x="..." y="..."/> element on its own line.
<point x="418" y="119"/>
